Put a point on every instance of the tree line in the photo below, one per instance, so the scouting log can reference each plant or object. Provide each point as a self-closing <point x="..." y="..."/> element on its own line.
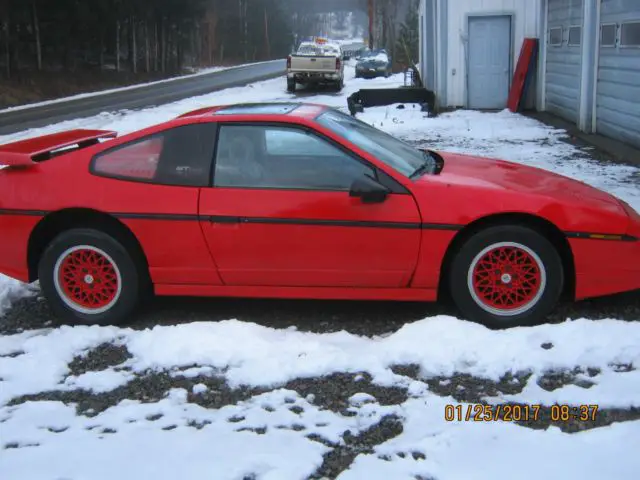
<point x="139" y="35"/>
<point x="395" y="27"/>
<point x="162" y="37"/>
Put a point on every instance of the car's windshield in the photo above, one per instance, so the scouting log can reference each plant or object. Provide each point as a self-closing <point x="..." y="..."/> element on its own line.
<point x="400" y="156"/>
<point x="375" y="54"/>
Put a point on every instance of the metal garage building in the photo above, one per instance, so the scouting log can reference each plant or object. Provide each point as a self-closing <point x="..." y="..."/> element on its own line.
<point x="588" y="69"/>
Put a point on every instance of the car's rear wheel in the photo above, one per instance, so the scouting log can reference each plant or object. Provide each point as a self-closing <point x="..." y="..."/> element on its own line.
<point x="89" y="277"/>
<point x="506" y="276"/>
<point x="291" y="85"/>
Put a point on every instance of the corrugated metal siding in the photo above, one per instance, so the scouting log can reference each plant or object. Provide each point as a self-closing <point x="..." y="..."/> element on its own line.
<point x="563" y="67"/>
<point x="428" y="43"/>
<point x="618" y="86"/>
<point x="526" y="19"/>
<point x="423" y="39"/>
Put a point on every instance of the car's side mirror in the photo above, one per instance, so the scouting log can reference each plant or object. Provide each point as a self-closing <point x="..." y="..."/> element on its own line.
<point x="368" y="190"/>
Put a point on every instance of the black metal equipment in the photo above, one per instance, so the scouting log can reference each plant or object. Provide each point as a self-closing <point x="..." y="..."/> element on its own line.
<point x="377" y="97"/>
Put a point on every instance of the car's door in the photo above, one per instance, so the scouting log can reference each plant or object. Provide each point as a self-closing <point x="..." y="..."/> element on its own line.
<point x="280" y="213"/>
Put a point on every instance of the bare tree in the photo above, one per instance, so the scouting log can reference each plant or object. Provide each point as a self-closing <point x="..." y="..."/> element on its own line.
<point x="36" y="32"/>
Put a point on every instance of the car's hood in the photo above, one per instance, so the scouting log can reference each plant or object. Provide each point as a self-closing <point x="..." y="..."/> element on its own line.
<point x="502" y="175"/>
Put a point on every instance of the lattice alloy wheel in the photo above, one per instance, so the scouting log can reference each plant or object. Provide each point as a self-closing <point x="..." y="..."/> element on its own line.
<point x="506" y="275"/>
<point x="506" y="279"/>
<point x="87" y="279"/>
<point x="89" y="276"/>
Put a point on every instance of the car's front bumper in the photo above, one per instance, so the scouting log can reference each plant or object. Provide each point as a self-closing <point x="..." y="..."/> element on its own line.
<point x="605" y="267"/>
<point x="371" y="71"/>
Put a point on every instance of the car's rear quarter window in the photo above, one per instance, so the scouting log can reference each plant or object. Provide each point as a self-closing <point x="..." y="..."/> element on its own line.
<point x="178" y="156"/>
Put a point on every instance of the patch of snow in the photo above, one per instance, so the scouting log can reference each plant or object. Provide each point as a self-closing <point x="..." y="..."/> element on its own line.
<point x="192" y="372"/>
<point x="266" y="357"/>
<point x="11" y="290"/>
<point x="602" y="453"/>
<point x="98" y="382"/>
<point x="104" y="447"/>
<point x="199" y="388"/>
<point x="361" y="399"/>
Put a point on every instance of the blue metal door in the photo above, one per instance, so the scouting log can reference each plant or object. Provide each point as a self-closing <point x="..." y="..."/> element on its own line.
<point x="489" y="61"/>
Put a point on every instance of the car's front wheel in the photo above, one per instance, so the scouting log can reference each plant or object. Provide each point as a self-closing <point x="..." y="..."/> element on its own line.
<point x="89" y="277"/>
<point x="506" y="276"/>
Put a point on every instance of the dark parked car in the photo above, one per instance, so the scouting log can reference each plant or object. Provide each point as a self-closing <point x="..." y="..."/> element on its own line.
<point x="373" y="63"/>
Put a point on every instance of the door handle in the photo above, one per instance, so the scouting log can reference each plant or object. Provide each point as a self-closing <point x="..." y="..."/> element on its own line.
<point x="224" y="219"/>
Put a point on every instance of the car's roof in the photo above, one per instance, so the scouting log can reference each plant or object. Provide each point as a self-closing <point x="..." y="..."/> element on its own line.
<point x="306" y="110"/>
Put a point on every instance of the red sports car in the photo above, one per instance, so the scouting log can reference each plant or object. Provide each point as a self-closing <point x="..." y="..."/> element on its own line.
<point x="300" y="201"/>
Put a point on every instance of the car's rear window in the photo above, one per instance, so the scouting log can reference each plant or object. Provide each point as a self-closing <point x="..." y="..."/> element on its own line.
<point x="179" y="156"/>
<point x="309" y="50"/>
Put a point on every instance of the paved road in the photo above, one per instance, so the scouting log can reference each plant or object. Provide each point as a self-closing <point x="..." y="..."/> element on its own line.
<point x="11" y="122"/>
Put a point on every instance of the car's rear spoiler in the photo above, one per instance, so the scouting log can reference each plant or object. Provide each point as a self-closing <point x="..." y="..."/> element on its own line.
<point x="25" y="153"/>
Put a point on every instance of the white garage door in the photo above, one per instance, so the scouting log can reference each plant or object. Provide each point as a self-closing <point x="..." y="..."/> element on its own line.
<point x="618" y="87"/>
<point x="489" y="61"/>
<point x="564" y="34"/>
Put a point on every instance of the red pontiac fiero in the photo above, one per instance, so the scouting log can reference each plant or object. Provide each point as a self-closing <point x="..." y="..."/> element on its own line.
<point x="300" y="201"/>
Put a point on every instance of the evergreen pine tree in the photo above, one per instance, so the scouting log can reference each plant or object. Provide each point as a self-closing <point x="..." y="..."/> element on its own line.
<point x="408" y="41"/>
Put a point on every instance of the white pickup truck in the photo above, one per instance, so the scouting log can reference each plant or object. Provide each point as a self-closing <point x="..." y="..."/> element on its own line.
<point x="315" y="64"/>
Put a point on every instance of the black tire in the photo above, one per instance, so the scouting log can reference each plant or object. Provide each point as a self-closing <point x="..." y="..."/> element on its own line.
<point x="291" y="86"/>
<point x="339" y="85"/>
<point x="530" y="289"/>
<point x="105" y="263"/>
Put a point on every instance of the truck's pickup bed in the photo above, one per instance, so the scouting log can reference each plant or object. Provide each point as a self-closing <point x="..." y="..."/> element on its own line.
<point x="314" y="66"/>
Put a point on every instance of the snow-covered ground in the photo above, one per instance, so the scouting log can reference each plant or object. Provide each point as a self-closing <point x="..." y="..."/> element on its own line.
<point x="232" y="403"/>
<point x="140" y="439"/>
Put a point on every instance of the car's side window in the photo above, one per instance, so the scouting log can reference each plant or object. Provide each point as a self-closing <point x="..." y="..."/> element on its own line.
<point x="179" y="156"/>
<point x="254" y="156"/>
